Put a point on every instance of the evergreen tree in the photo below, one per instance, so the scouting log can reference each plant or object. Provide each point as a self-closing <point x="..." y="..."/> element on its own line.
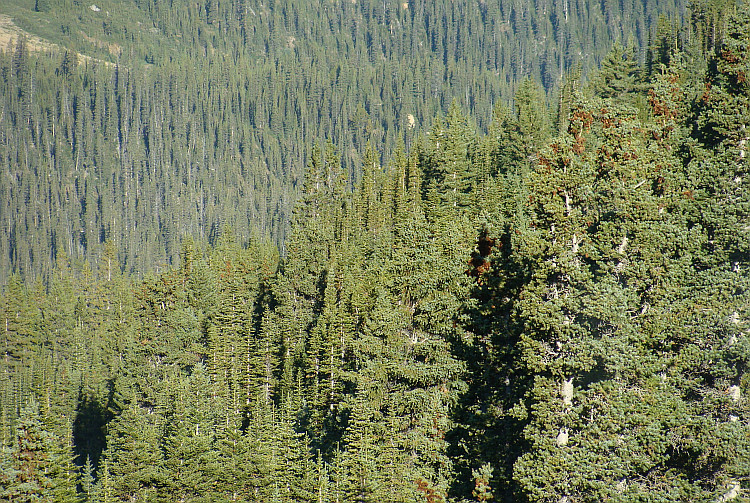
<point x="41" y="464"/>
<point x="366" y="469"/>
<point x="594" y="349"/>
<point x="192" y="463"/>
<point x="27" y="477"/>
<point x="119" y="132"/>
<point x="447" y="166"/>
<point x="21" y="330"/>
<point x="619" y="74"/>
<point x="133" y="467"/>
<point x="42" y="6"/>
<point x="299" y="291"/>
<point x="533" y="118"/>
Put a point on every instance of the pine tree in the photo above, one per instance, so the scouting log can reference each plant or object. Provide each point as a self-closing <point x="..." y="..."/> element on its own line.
<point x="133" y="466"/>
<point x="41" y="465"/>
<point x="363" y="469"/>
<point x="64" y="473"/>
<point x="717" y="208"/>
<point x="533" y="118"/>
<point x="722" y="126"/>
<point x="21" y="317"/>
<point x="191" y="460"/>
<point x="299" y="291"/>
<point x="88" y="487"/>
<point x="663" y="46"/>
<point x="619" y="75"/>
<point x="609" y="265"/>
<point x="42" y="6"/>
<point x="447" y="166"/>
<point x="30" y="458"/>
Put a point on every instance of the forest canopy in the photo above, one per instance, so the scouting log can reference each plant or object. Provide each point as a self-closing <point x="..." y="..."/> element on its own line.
<point x="145" y="122"/>
<point x="543" y="299"/>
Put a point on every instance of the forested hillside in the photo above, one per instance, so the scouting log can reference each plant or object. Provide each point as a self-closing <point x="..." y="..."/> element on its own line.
<point x="556" y="309"/>
<point x="150" y="121"/>
<point x="220" y="286"/>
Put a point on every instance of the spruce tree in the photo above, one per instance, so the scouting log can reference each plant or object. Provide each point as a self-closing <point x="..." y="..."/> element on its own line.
<point x="134" y="465"/>
<point x="28" y="477"/>
<point x="191" y="457"/>
<point x="619" y="75"/>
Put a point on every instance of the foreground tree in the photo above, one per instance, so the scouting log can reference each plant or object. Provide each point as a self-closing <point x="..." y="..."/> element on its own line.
<point x="634" y="389"/>
<point x="39" y="466"/>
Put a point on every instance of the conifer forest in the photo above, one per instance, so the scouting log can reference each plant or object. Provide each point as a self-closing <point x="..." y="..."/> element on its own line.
<point x="375" y="251"/>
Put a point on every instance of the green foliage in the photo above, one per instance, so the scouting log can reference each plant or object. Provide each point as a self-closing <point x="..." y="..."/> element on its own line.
<point x="482" y="490"/>
<point x="192" y="458"/>
<point x="39" y="466"/>
<point x="595" y="346"/>
<point x="151" y="121"/>
<point x="618" y="75"/>
<point x="133" y="455"/>
<point x="613" y="259"/>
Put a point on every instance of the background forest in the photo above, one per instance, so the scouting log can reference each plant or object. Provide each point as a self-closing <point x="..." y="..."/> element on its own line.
<point x="361" y="251"/>
<point x="150" y="121"/>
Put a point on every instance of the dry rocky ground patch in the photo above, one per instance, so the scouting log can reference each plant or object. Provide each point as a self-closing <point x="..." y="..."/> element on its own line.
<point x="10" y="32"/>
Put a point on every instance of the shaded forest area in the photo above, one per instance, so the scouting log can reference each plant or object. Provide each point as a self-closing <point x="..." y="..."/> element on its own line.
<point x="552" y="308"/>
<point x="155" y="121"/>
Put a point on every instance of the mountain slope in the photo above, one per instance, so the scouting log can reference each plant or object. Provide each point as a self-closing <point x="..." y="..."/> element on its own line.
<point x="202" y="115"/>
